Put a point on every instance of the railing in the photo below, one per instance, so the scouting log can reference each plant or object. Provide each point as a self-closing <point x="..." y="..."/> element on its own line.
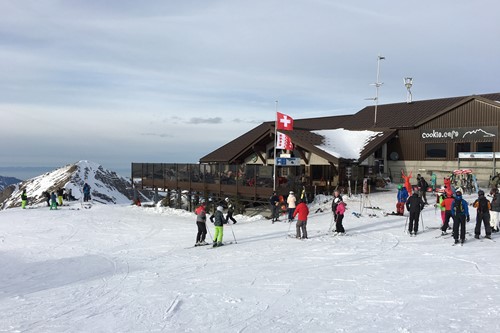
<point x="246" y="181"/>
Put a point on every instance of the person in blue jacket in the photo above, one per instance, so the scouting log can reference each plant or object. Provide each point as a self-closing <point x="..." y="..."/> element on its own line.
<point x="402" y="198"/>
<point x="460" y="214"/>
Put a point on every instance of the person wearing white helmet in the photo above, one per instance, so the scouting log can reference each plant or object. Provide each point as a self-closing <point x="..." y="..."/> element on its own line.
<point x="291" y="201"/>
<point x="219" y="222"/>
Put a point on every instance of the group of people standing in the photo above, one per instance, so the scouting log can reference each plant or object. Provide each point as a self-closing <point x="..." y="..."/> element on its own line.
<point x="453" y="207"/>
<point x="55" y="198"/>
<point x="217" y="218"/>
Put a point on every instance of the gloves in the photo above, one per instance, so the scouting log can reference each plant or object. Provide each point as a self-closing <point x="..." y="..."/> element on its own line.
<point x="468" y="218"/>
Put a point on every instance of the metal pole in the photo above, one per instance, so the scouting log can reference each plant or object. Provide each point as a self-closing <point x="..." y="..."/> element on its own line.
<point x="274" y="157"/>
<point x="377" y="85"/>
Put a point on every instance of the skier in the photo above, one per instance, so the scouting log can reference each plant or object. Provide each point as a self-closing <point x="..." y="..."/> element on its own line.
<point x="402" y="198"/>
<point x="414" y="205"/>
<point x="422" y="188"/>
<point x="53" y="201"/>
<point x="337" y="198"/>
<point x="274" y="201"/>
<point x="230" y="211"/>
<point x="460" y="213"/>
<point x="302" y="211"/>
<point x="446" y="204"/>
<point x="219" y="222"/>
<point x="340" y="217"/>
<point x="495" y="209"/>
<point x="201" y="222"/>
<point x="483" y="207"/>
<point x="24" y="199"/>
<point x="60" y="193"/>
<point x="291" y="201"/>
<point x="86" y="192"/>
<point x="439" y="199"/>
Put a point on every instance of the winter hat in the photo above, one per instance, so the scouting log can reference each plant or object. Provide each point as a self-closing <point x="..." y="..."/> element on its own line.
<point x="220" y="209"/>
<point x="400" y="187"/>
<point x="291" y="192"/>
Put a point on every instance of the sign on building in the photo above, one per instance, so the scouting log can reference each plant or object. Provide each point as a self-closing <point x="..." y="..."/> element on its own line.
<point x="292" y="161"/>
<point x="459" y="133"/>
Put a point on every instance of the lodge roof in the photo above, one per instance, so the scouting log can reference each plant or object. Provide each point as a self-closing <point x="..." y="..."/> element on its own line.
<point x="390" y="118"/>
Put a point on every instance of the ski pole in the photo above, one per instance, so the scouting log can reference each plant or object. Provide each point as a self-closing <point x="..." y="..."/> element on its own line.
<point x="209" y="233"/>
<point x="331" y="223"/>
<point x="235" y="242"/>
<point x="289" y="226"/>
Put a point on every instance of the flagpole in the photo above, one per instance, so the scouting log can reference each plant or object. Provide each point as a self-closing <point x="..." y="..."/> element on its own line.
<point x="275" y="138"/>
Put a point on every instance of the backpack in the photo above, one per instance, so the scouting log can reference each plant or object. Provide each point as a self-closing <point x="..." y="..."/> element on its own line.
<point x="483" y="205"/>
<point x="459" y="208"/>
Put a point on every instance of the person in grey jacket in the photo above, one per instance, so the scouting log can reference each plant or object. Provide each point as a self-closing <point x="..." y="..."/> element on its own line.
<point x="219" y="222"/>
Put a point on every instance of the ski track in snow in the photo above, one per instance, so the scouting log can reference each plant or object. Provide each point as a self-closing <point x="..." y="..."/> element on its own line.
<point x="126" y="269"/>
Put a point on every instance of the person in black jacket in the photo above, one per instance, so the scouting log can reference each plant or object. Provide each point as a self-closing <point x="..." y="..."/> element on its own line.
<point x="414" y="205"/>
<point x="422" y="188"/>
<point x="230" y="211"/>
<point x="483" y="207"/>
<point x="274" y="201"/>
<point x="337" y="198"/>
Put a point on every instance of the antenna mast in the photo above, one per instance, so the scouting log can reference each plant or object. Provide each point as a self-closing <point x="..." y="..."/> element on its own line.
<point x="377" y="85"/>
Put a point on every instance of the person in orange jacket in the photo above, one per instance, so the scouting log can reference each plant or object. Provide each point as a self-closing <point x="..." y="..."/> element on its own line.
<point x="446" y="203"/>
<point x="302" y="211"/>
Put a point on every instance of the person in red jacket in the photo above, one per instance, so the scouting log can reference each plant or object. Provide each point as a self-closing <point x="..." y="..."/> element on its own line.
<point x="446" y="203"/>
<point x="302" y="211"/>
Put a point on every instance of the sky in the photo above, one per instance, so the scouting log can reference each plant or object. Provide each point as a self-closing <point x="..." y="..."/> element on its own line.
<point x="124" y="81"/>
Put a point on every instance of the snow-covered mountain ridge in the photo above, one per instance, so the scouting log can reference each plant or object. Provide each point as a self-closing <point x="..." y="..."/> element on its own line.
<point x="6" y="181"/>
<point x="106" y="186"/>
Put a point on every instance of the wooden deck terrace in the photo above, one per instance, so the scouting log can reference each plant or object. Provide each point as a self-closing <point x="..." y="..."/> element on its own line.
<point x="252" y="183"/>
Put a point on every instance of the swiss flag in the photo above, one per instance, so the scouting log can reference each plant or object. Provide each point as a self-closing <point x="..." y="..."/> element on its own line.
<point x="283" y="141"/>
<point x="284" y="122"/>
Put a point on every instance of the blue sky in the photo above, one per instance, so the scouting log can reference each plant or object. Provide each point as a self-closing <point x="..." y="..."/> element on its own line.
<point x="117" y="82"/>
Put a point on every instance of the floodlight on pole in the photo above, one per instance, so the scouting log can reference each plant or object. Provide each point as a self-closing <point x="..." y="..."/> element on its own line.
<point x="408" y="82"/>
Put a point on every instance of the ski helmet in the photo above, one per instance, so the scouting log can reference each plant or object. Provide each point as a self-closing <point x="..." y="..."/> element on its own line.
<point x="400" y="187"/>
<point x="220" y="209"/>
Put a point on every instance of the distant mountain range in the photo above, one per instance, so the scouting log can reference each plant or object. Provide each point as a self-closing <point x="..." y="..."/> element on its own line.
<point x="6" y="181"/>
<point x="106" y="186"/>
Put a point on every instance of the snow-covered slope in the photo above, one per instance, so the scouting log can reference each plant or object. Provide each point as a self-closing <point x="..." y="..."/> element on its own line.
<point x="132" y="269"/>
<point x="6" y="181"/>
<point x="106" y="186"/>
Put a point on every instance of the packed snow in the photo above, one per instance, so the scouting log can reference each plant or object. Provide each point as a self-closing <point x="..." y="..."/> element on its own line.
<point x="115" y="268"/>
<point x="344" y="143"/>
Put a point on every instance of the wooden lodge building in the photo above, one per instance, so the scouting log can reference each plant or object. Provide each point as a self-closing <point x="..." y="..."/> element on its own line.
<point x="420" y="137"/>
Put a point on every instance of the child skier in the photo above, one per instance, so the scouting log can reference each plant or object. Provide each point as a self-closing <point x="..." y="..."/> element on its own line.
<point x="219" y="222"/>
<point x="460" y="213"/>
<point x="340" y="217"/>
<point x="402" y="198"/>
<point x="483" y="207"/>
<point x="302" y="211"/>
<point x="201" y="222"/>
<point x="24" y="199"/>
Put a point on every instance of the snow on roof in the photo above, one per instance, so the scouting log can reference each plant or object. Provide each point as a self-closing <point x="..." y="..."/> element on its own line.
<point x="343" y="143"/>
